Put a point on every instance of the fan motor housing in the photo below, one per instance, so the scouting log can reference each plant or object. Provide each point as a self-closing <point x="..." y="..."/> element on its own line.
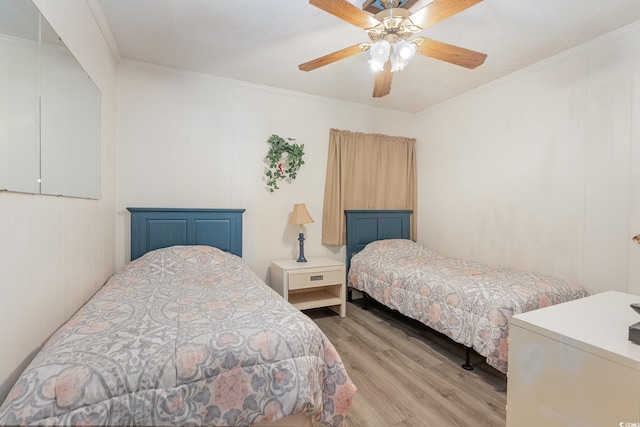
<point x="394" y="25"/>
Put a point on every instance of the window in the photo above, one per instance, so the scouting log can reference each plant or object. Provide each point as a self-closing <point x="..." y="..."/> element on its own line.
<point x="366" y="171"/>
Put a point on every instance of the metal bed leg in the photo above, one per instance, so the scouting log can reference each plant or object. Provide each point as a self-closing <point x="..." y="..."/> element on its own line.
<point x="349" y="295"/>
<point x="467" y="364"/>
<point x="364" y="297"/>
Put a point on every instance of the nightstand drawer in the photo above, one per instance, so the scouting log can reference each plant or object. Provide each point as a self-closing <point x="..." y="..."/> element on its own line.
<point x="311" y="280"/>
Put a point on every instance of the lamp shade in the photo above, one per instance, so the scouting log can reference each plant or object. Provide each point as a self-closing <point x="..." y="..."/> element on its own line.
<point x="300" y="215"/>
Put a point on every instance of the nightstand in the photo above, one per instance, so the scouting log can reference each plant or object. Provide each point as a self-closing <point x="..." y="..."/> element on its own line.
<point x="319" y="282"/>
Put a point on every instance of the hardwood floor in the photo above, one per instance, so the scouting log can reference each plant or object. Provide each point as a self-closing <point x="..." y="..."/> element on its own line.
<point x="409" y="375"/>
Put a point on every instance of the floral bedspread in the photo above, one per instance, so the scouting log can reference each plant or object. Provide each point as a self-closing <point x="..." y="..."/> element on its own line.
<point x="185" y="335"/>
<point x="469" y="302"/>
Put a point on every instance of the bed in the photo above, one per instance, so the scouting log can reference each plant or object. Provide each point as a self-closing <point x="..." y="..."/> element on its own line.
<point x="185" y="334"/>
<point x="469" y="302"/>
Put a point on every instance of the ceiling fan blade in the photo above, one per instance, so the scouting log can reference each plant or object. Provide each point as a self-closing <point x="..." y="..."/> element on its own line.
<point x="452" y="54"/>
<point x="438" y="10"/>
<point x="382" y="85"/>
<point x="333" y="57"/>
<point x="346" y="11"/>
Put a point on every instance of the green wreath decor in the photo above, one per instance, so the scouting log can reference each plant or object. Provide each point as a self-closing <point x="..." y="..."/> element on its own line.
<point x="284" y="159"/>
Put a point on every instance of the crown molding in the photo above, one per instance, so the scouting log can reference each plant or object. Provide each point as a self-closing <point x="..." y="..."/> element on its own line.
<point x="103" y="24"/>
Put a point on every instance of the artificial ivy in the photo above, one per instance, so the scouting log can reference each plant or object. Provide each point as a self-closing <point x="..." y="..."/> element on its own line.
<point x="279" y="168"/>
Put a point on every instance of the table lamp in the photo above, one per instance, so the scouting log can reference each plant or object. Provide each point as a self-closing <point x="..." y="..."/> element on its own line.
<point x="300" y="216"/>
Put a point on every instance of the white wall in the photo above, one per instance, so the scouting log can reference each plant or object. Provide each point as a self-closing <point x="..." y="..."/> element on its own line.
<point x="56" y="252"/>
<point x="191" y="140"/>
<point x="533" y="171"/>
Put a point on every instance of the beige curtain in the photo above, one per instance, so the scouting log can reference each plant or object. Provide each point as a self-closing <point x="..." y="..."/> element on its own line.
<point x="367" y="171"/>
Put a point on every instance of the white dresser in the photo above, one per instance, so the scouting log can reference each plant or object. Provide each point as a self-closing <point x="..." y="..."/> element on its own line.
<point x="572" y="364"/>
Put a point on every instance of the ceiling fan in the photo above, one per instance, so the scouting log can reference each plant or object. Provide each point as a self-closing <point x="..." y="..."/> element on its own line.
<point x="390" y="30"/>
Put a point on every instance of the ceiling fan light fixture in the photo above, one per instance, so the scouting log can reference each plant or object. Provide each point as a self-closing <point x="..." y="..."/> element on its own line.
<point x="379" y="52"/>
<point x="397" y="64"/>
<point x="376" y="65"/>
<point x="403" y="51"/>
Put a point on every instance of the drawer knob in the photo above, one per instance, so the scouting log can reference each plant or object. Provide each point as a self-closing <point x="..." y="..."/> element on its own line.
<point x="318" y="277"/>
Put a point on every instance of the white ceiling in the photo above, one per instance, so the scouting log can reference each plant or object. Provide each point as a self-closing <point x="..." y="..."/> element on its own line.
<point x="263" y="42"/>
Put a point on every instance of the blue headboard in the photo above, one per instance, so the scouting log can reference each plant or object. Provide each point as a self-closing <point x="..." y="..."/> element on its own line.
<point x="155" y="228"/>
<point x="366" y="226"/>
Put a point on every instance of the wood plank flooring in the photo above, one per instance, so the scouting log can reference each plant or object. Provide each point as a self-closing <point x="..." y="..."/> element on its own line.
<point x="409" y="375"/>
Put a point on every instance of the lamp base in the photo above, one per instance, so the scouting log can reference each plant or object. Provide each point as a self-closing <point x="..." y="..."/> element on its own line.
<point x="301" y="258"/>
